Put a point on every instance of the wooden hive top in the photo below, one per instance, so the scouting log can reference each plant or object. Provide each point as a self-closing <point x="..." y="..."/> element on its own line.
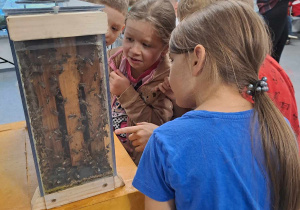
<point x="49" y="26"/>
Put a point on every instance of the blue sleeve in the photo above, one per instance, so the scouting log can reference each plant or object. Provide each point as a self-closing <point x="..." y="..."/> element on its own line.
<point x="150" y="178"/>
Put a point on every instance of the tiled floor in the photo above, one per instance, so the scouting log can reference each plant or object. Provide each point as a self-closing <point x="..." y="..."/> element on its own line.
<point x="11" y="106"/>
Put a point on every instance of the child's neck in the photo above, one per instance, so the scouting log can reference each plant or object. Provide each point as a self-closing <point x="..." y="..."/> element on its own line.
<point x="225" y="99"/>
<point x="137" y="73"/>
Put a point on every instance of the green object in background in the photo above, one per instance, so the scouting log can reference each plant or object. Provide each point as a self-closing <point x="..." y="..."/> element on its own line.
<point x="2" y="21"/>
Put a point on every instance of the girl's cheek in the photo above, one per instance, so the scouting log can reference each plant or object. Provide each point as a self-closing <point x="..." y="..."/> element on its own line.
<point x="125" y="47"/>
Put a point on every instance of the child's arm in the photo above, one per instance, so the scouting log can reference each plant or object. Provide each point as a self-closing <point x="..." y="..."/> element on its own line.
<point x="151" y="204"/>
<point x="158" y="111"/>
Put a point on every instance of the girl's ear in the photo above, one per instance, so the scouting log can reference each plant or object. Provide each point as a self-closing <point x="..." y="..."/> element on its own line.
<point x="198" y="59"/>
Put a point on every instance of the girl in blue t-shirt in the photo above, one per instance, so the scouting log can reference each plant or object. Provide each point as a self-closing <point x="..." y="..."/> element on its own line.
<point x="228" y="153"/>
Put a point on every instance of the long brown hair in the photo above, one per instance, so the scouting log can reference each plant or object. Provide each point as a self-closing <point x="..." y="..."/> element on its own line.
<point x="160" y="13"/>
<point x="236" y="43"/>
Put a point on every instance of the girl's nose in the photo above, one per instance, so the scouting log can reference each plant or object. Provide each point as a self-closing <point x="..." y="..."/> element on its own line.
<point x="135" y="49"/>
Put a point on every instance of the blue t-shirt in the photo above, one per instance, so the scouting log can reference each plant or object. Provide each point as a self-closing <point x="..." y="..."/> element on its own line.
<point x="204" y="160"/>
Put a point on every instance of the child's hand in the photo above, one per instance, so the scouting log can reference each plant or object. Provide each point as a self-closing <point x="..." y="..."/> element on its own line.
<point x="118" y="83"/>
<point x="165" y="88"/>
<point x="139" y="134"/>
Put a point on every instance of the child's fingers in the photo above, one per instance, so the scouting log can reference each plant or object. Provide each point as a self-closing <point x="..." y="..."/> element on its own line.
<point x="112" y="74"/>
<point x="135" y="142"/>
<point x="119" y="73"/>
<point x="140" y="148"/>
<point x="133" y="137"/>
<point x="130" y="129"/>
<point x="167" y="81"/>
<point x="161" y="88"/>
<point x="111" y="80"/>
<point x="166" y="86"/>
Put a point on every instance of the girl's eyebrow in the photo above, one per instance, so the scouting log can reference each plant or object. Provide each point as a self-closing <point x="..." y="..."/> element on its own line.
<point x="146" y="40"/>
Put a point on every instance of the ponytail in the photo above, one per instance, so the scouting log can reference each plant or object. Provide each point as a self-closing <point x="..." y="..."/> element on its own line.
<point x="281" y="154"/>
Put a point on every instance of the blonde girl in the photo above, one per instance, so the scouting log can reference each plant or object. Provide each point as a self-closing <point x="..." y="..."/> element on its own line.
<point x="139" y="66"/>
<point x="227" y="153"/>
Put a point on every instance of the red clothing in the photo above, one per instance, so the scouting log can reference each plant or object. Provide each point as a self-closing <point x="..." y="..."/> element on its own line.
<point x="296" y="8"/>
<point x="281" y="91"/>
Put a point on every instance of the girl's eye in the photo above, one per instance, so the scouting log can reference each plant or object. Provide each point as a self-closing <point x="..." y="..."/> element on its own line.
<point x="129" y="39"/>
<point x="146" y="45"/>
<point x="114" y="28"/>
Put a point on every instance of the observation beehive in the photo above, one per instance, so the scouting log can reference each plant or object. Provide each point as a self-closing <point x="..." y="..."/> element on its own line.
<point x="61" y="68"/>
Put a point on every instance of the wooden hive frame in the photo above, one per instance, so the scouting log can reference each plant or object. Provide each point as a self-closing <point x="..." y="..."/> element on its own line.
<point x="67" y="114"/>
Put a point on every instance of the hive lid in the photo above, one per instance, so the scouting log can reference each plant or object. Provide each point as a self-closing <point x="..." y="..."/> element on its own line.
<point x="50" y="26"/>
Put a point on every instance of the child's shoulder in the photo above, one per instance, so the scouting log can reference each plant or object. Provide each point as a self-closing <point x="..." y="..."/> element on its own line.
<point x="205" y="121"/>
<point x="162" y="70"/>
<point x="204" y="128"/>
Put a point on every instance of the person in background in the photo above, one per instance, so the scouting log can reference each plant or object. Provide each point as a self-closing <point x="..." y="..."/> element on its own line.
<point x="228" y="153"/>
<point x="116" y="11"/>
<point x="139" y="66"/>
<point x="290" y="36"/>
<point x="275" y="14"/>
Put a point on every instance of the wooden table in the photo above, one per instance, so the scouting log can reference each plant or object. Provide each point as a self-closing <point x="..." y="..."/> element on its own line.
<point x="18" y="177"/>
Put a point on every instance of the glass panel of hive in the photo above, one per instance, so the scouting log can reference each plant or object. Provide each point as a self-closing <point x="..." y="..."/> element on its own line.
<point x="66" y="97"/>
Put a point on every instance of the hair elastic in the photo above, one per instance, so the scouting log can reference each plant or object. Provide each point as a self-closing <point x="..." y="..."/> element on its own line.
<point x="257" y="87"/>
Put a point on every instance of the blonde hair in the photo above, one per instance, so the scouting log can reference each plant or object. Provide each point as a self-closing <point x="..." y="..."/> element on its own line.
<point x="160" y="13"/>
<point x="236" y="43"/>
<point x="119" y="5"/>
<point x="188" y="7"/>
